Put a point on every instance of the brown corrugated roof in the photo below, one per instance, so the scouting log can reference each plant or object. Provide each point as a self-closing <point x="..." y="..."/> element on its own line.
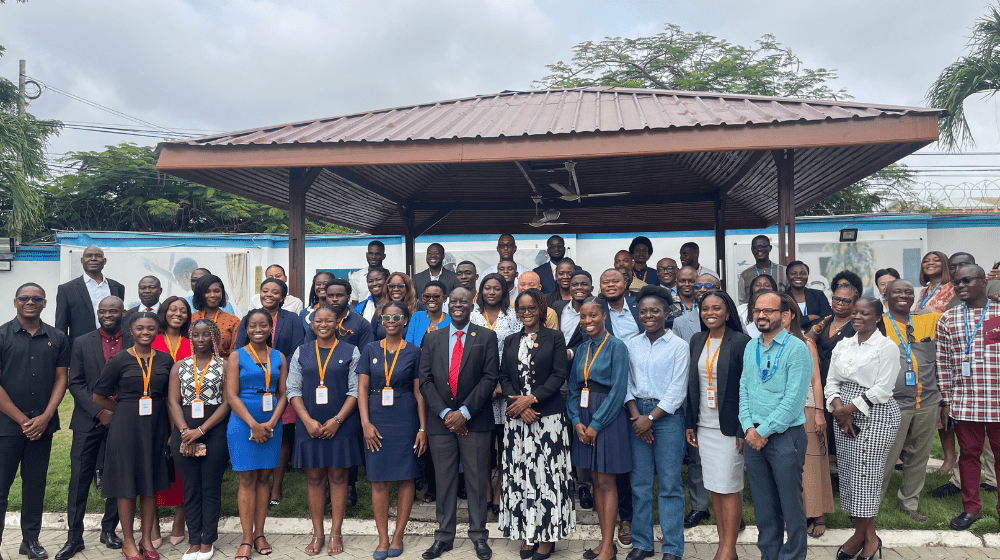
<point x="553" y="112"/>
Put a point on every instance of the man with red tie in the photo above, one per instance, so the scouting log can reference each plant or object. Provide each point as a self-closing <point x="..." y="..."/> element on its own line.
<point x="150" y="291"/>
<point x="459" y="369"/>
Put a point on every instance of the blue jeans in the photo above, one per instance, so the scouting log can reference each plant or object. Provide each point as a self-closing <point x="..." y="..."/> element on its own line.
<point x="664" y="456"/>
<point x="775" y="474"/>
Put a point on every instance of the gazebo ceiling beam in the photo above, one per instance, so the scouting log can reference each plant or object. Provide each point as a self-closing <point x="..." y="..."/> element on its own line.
<point x="597" y="202"/>
<point x="364" y="183"/>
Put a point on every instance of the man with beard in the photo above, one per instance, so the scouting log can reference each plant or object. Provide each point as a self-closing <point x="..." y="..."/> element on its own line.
<point x="555" y="247"/>
<point x="375" y="255"/>
<point x="466" y="277"/>
<point x="435" y="271"/>
<point x="777" y="370"/>
<point x="760" y="247"/>
<point x="623" y="264"/>
<point x="666" y="273"/>
<point x="685" y="302"/>
<point x="90" y="424"/>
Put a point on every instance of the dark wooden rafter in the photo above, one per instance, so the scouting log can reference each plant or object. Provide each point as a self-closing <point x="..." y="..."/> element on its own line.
<point x="299" y="181"/>
<point x="364" y="183"/>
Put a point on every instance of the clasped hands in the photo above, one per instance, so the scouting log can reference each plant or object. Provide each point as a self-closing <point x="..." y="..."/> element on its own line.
<point x="260" y="433"/>
<point x="586" y="435"/>
<point x="521" y="408"/>
<point x="755" y="440"/>
<point x="34" y="428"/>
<point x="316" y="430"/>
<point x="455" y="422"/>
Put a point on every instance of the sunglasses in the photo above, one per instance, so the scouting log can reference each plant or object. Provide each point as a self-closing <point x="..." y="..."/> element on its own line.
<point x="709" y="286"/>
<point x="394" y="318"/>
<point x="396" y="286"/>
<point x="32" y="299"/>
<point x="761" y="246"/>
<point x="532" y="309"/>
<point x="966" y="280"/>
<point x="435" y="297"/>
<point x="842" y="300"/>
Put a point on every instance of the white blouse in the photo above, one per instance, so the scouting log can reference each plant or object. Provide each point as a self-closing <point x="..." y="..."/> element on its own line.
<point x="873" y="364"/>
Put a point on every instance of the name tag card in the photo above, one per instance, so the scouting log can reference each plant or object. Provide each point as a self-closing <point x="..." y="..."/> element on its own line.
<point x="268" y="402"/>
<point x="145" y="406"/>
<point x="966" y="369"/>
<point x="710" y="394"/>
<point x="584" y="398"/>
<point x="911" y="378"/>
<point x="322" y="395"/>
<point x="197" y="408"/>
<point x="387" y="396"/>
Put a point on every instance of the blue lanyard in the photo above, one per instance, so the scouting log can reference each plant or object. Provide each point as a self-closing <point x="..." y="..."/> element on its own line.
<point x="770" y="271"/>
<point x="767" y="373"/>
<point x="685" y="307"/>
<point x="904" y="340"/>
<point x="928" y="295"/>
<point x="970" y="338"/>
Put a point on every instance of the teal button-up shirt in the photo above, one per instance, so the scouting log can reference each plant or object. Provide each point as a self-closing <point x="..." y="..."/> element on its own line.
<point x="778" y="403"/>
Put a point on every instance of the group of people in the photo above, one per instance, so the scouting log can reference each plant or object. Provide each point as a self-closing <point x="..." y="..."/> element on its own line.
<point x="520" y="390"/>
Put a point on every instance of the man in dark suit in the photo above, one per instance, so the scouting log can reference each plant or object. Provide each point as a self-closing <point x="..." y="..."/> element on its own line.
<point x="77" y="300"/>
<point x="90" y="424"/>
<point x="435" y="271"/>
<point x="556" y="249"/>
<point x="459" y="369"/>
<point x="150" y="291"/>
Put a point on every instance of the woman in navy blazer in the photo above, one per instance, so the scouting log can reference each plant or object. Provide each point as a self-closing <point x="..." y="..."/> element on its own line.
<point x="816" y="304"/>
<point x="713" y="404"/>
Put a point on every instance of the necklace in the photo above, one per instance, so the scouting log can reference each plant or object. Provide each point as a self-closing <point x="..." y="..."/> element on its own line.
<point x="838" y="329"/>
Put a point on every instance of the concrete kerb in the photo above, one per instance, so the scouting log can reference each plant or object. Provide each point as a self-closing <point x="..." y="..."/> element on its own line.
<point x="704" y="534"/>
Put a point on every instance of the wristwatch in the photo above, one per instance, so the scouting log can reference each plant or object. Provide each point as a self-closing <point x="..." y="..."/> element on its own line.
<point x="650" y="416"/>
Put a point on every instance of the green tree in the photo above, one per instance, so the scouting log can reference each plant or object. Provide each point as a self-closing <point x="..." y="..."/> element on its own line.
<point x="119" y="189"/>
<point x="977" y="72"/>
<point x="677" y="60"/>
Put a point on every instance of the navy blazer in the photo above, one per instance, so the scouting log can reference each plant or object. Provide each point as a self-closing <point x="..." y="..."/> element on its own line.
<point x="579" y="335"/>
<point x="291" y="333"/>
<point x="728" y="370"/>
<point x="478" y="375"/>
<point x="816" y="304"/>
<point x="630" y="304"/>
<point x="549" y="368"/>
<point x="544" y="272"/>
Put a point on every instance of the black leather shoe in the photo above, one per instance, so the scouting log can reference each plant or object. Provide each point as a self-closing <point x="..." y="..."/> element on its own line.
<point x="638" y="554"/>
<point x="98" y="478"/>
<point x="436" y="549"/>
<point x="69" y="550"/>
<point x="743" y="525"/>
<point x="586" y="498"/>
<point x="483" y="551"/>
<point x="33" y="550"/>
<point x="668" y="556"/>
<point x="963" y="521"/>
<point x="462" y="494"/>
<point x="112" y="540"/>
<point x="987" y="487"/>
<point x="945" y="490"/>
<point x="352" y="495"/>
<point x="694" y="518"/>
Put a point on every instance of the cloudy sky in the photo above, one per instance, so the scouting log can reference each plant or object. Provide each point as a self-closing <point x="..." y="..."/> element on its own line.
<point x="197" y="66"/>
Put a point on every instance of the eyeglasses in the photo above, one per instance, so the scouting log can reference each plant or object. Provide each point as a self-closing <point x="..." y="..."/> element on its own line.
<point x="764" y="311"/>
<point x="665" y="268"/>
<point x="32" y="299"/>
<point x="396" y="286"/>
<point x="709" y="286"/>
<point x="842" y="300"/>
<point x="394" y="318"/>
<point x="966" y="280"/>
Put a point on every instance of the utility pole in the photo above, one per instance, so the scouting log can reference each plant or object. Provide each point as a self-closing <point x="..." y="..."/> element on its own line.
<point x="21" y="77"/>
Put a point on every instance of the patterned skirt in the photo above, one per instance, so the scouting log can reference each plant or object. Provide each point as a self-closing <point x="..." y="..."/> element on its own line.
<point x="861" y="460"/>
<point x="537" y="501"/>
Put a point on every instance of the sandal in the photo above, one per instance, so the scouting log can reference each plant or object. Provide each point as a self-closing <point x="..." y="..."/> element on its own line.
<point x="813" y="533"/>
<point x="329" y="547"/>
<point x="272" y="504"/>
<point x="315" y="545"/>
<point x="243" y="556"/>
<point x="428" y="498"/>
<point x="260" y="551"/>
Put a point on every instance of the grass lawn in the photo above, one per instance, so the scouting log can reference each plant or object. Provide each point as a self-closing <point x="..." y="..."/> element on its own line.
<point x="938" y="510"/>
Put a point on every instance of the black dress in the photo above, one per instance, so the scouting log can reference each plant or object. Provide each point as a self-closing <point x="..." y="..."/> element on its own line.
<point x="135" y="460"/>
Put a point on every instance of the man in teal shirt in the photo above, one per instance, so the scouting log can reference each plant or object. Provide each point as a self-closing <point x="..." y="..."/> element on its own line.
<point x="776" y="373"/>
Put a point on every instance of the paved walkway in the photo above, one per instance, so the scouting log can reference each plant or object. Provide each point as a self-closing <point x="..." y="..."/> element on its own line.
<point x="360" y="547"/>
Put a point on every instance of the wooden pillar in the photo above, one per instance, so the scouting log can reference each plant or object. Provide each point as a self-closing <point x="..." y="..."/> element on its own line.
<point x="785" y="162"/>
<point x="720" y="237"/>
<point x="406" y="215"/>
<point x="299" y="181"/>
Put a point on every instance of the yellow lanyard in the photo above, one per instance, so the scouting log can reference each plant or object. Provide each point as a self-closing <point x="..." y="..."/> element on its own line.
<point x="146" y="372"/>
<point x="199" y="380"/>
<point x="709" y="361"/>
<point x="170" y="347"/>
<point x="321" y="364"/>
<point x="267" y="372"/>
<point x="385" y="360"/>
<point x="588" y="363"/>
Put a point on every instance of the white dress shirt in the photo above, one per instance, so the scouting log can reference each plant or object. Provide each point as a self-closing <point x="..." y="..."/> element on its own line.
<point x="98" y="291"/>
<point x="873" y="364"/>
<point x="569" y="322"/>
<point x="659" y="370"/>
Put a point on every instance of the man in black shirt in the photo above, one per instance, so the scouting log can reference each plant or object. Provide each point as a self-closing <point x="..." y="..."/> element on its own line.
<point x="34" y="359"/>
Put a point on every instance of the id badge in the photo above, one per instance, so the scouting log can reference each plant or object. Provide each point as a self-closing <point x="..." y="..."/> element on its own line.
<point x="911" y="378"/>
<point x="584" y="398"/>
<point x="197" y="408"/>
<point x="710" y="394"/>
<point x="322" y="395"/>
<point x="145" y="406"/>
<point x="966" y="368"/>
<point x="387" y="396"/>
<point x="268" y="402"/>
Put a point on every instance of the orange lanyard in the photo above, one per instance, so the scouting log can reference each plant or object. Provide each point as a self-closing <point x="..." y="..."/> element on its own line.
<point x="267" y="372"/>
<point x="385" y="360"/>
<point x="433" y="326"/>
<point x="710" y="361"/>
<point x="170" y="347"/>
<point x="215" y="318"/>
<point x="199" y="380"/>
<point x="274" y="327"/>
<point x="588" y="363"/>
<point x="492" y="327"/>
<point x="321" y="364"/>
<point x="146" y="372"/>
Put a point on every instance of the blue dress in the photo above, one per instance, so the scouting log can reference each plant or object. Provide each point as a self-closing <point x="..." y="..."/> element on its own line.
<point x="247" y="455"/>
<point x="398" y="423"/>
<point x="344" y="449"/>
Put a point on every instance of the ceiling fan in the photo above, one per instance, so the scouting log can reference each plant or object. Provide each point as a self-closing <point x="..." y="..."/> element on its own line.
<point x="547" y="217"/>
<point x="570" y="196"/>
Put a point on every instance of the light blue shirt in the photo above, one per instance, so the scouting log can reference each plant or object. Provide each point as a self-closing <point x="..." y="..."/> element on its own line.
<point x="659" y="370"/>
<point x="623" y="323"/>
<point x="228" y="308"/>
<point x="97" y="293"/>
<point x="452" y="339"/>
<point x="778" y="403"/>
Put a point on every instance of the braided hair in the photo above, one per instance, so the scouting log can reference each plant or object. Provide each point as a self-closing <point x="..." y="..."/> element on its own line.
<point x="215" y="333"/>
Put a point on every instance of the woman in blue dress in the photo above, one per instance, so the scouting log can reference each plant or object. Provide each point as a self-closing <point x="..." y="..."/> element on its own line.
<point x="393" y="417"/>
<point x="323" y="389"/>
<point x="255" y="389"/>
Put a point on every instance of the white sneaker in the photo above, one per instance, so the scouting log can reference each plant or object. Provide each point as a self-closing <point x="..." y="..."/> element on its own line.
<point x="205" y="555"/>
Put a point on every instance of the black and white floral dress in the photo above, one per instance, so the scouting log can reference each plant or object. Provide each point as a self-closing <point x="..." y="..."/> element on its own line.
<point x="537" y="501"/>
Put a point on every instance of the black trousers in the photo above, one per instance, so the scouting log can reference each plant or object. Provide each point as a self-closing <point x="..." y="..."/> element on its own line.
<point x="624" y="485"/>
<point x="85" y="457"/>
<point x="33" y="459"/>
<point x="201" y="478"/>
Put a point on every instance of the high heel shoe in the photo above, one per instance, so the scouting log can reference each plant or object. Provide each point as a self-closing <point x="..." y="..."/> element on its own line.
<point x="525" y="554"/>
<point x="176" y="540"/>
<point x="841" y="555"/>
<point x="879" y="550"/>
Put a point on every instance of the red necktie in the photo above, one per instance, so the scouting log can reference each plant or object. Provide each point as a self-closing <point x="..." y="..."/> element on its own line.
<point x="456" y="362"/>
<point x="149" y="310"/>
